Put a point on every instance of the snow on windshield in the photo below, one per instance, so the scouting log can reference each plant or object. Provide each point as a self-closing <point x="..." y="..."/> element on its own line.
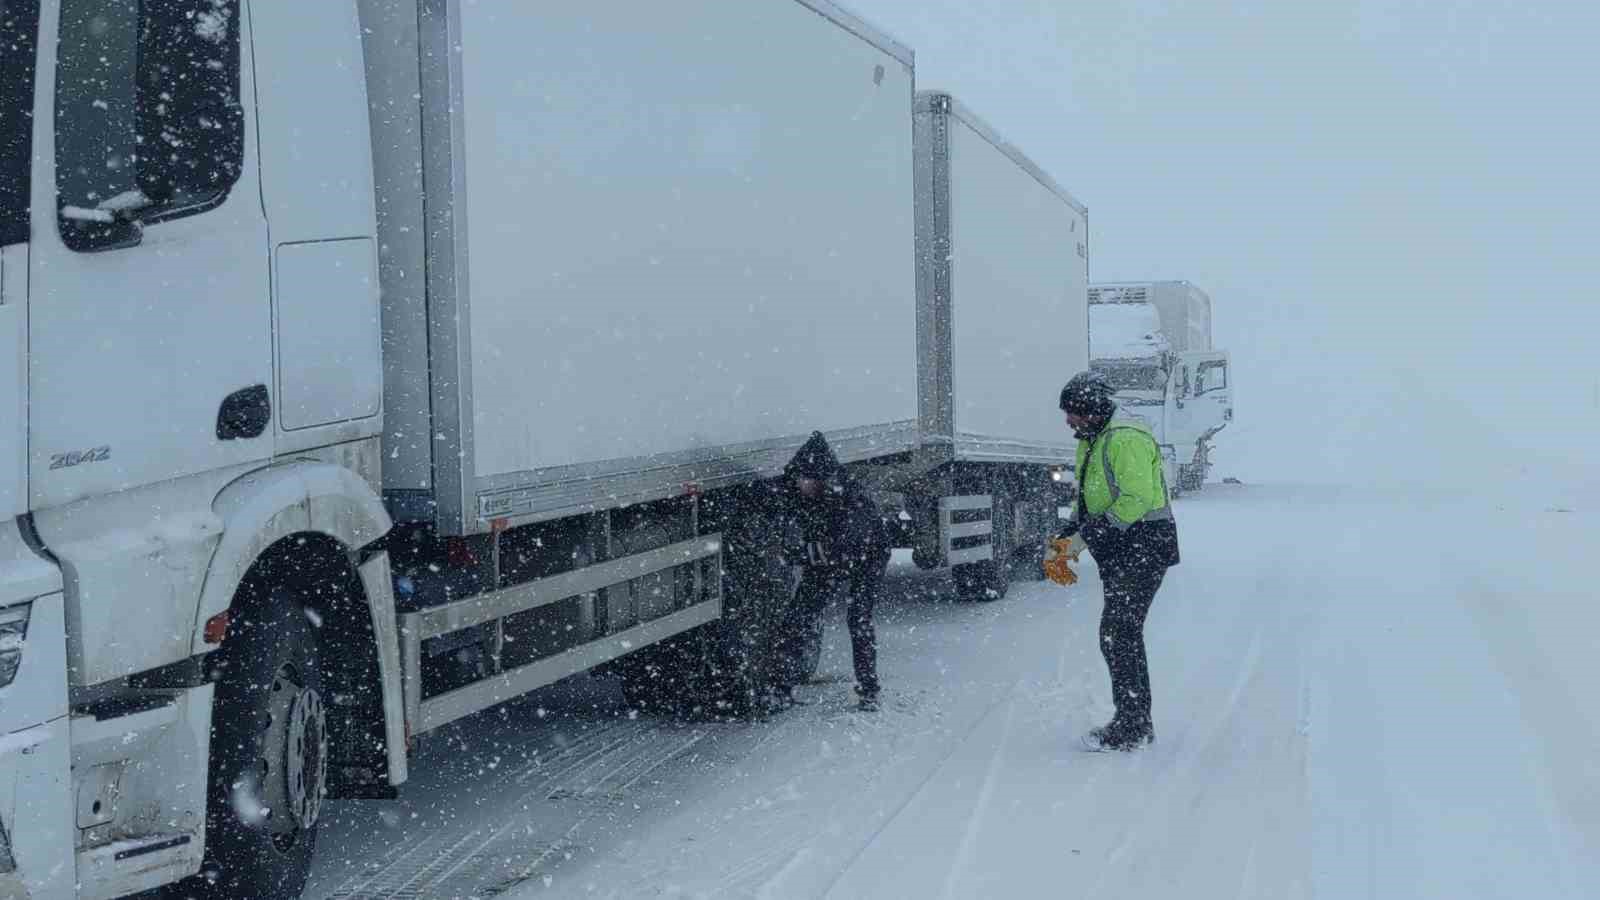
<point x="1125" y="331"/>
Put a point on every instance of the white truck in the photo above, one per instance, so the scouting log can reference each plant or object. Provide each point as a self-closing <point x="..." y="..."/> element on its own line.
<point x="1152" y="341"/>
<point x="1002" y="289"/>
<point x="364" y="365"/>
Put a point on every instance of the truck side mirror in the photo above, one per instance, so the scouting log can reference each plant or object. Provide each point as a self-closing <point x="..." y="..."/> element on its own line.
<point x="98" y="230"/>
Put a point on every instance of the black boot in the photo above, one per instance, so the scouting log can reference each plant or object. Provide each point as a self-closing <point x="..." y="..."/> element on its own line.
<point x="1120" y="735"/>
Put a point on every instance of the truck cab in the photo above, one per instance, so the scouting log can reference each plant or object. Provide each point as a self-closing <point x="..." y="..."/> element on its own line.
<point x="1185" y="396"/>
<point x="190" y="376"/>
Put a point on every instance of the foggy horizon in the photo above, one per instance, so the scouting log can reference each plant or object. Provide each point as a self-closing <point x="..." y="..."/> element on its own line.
<point x="1383" y="202"/>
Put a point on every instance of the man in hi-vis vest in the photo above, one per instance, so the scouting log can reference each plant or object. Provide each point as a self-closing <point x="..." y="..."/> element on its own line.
<point x="1124" y="517"/>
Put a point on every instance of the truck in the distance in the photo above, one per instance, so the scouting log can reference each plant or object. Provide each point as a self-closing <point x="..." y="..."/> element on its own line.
<point x="443" y="351"/>
<point x="1152" y="342"/>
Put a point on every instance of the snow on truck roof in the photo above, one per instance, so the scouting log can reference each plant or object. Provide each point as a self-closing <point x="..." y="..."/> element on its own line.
<point x="1127" y="330"/>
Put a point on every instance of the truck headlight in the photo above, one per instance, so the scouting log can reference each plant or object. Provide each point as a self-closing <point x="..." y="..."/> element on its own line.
<point x="13" y="628"/>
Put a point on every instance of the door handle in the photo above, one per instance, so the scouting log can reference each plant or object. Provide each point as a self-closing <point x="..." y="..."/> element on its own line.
<point x="244" y="414"/>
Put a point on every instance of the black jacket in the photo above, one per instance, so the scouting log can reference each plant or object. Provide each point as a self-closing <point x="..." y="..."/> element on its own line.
<point x="843" y="529"/>
<point x="1143" y="547"/>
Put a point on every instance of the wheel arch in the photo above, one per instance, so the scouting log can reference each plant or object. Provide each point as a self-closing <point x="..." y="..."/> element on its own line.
<point x="316" y="527"/>
<point x="273" y="510"/>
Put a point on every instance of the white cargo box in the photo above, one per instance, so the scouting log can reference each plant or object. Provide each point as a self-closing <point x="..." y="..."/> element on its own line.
<point x="1185" y="311"/>
<point x="1002" y="286"/>
<point x="630" y="247"/>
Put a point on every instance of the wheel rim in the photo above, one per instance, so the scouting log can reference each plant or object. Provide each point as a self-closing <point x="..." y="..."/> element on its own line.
<point x="295" y="764"/>
<point x="306" y="757"/>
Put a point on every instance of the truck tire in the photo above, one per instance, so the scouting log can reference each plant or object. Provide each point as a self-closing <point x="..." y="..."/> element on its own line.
<point x="1027" y="564"/>
<point x="757" y="587"/>
<point x="269" y="753"/>
<point x="678" y="677"/>
<point x="1034" y="532"/>
<point x="1191" y="478"/>
<point x="981" y="581"/>
<point x="646" y="686"/>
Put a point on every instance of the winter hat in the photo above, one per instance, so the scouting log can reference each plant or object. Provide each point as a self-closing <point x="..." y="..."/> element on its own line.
<point x="815" y="459"/>
<point x="1088" y="394"/>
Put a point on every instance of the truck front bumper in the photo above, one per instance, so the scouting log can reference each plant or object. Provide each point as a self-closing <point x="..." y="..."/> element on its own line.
<point x="36" y="810"/>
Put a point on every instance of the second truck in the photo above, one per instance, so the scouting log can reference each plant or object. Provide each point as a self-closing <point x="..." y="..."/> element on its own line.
<point x="1152" y="341"/>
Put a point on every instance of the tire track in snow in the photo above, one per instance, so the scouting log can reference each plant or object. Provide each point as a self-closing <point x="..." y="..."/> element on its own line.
<point x="976" y="819"/>
<point x="1218" y="740"/>
<point x="911" y="796"/>
<point x="588" y="776"/>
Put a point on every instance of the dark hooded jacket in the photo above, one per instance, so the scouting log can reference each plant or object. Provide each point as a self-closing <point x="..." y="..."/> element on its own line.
<point x="843" y="529"/>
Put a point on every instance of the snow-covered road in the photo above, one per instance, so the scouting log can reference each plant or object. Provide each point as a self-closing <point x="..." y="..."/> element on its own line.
<point x="1355" y="697"/>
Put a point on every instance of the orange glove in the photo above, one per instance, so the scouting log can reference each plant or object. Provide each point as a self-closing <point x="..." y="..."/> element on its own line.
<point x="1057" y="559"/>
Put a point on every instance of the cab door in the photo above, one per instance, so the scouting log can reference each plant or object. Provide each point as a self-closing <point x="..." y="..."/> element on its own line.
<point x="19" y="27"/>
<point x="150" y="341"/>
<point x="1212" y="400"/>
<point x="13" y="382"/>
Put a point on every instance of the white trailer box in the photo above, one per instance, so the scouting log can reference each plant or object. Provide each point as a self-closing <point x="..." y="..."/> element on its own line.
<point x="1185" y="311"/>
<point x="630" y="247"/>
<point x="1002" y="286"/>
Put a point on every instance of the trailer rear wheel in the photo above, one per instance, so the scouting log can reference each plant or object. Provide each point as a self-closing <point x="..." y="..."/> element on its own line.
<point x="981" y="581"/>
<point x="269" y="753"/>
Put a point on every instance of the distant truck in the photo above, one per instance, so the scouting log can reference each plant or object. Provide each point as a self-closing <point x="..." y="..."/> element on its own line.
<point x="442" y="350"/>
<point x="1152" y="341"/>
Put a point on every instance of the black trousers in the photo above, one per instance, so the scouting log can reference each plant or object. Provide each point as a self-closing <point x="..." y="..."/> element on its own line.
<point x="864" y="582"/>
<point x="1128" y="596"/>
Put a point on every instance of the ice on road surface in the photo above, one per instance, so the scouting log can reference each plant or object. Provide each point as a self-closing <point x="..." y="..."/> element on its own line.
<point x="1357" y="695"/>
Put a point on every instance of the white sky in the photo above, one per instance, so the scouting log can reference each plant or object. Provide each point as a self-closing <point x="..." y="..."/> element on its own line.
<point x="1389" y="203"/>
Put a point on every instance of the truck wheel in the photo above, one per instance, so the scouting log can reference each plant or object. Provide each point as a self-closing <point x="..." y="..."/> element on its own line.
<point x="644" y="686"/>
<point x="1028" y="564"/>
<point x="269" y="753"/>
<point x="757" y="586"/>
<point x="1034" y="531"/>
<point x="982" y="581"/>
<point x="678" y="677"/>
<point x="925" y="559"/>
<point x="1191" y="478"/>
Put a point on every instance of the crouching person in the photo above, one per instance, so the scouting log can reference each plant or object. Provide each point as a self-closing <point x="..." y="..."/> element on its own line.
<point x="846" y="549"/>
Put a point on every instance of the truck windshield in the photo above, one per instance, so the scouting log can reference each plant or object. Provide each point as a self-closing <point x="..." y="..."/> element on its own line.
<point x="19" y="26"/>
<point x="1134" y="378"/>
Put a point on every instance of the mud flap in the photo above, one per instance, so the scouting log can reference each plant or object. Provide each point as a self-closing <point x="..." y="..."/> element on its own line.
<point x="379" y="585"/>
